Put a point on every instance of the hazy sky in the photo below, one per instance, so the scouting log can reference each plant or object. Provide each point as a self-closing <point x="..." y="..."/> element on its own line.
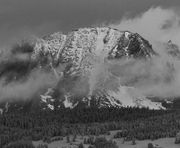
<point x="21" y="18"/>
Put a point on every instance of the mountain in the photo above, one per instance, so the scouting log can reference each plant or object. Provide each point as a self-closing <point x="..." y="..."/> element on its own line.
<point x="86" y="53"/>
<point x="173" y="49"/>
<point x="107" y="42"/>
<point x="86" y="63"/>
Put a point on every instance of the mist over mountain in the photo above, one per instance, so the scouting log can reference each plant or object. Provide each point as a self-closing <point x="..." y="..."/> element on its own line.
<point x="89" y="73"/>
<point x="95" y="66"/>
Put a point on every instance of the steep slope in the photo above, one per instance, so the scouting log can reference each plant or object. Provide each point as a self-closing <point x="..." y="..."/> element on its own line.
<point x="88" y="64"/>
<point x="76" y="45"/>
<point x="86" y="55"/>
<point x="173" y="49"/>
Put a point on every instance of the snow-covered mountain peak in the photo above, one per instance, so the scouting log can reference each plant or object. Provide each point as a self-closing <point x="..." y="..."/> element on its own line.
<point x="87" y="56"/>
<point x="173" y="49"/>
<point x="87" y="45"/>
<point x="87" y="52"/>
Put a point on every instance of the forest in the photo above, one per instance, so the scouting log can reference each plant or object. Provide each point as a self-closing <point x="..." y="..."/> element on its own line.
<point x="19" y="128"/>
<point x="132" y="123"/>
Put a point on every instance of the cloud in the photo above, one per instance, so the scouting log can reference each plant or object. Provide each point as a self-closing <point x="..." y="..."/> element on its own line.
<point x="156" y="25"/>
<point x="36" y="81"/>
<point x="23" y="17"/>
<point x="161" y="75"/>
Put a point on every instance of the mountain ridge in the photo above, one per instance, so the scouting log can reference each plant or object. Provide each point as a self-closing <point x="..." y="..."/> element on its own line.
<point x="81" y="62"/>
<point x="85" y="51"/>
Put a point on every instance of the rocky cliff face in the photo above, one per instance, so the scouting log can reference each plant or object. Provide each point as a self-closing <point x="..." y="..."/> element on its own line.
<point x="85" y="54"/>
<point x="172" y="49"/>
<point x="83" y="64"/>
<point x="78" y="45"/>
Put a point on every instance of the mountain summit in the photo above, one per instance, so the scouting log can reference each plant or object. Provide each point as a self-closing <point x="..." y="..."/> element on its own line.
<point x="88" y="64"/>
<point x="88" y="56"/>
<point x="112" y="43"/>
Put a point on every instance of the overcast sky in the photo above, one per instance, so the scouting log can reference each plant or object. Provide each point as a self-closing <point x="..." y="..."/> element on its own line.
<point x="21" y="18"/>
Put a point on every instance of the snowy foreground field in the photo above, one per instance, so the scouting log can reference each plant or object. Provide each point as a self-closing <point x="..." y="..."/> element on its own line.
<point x="160" y="143"/>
